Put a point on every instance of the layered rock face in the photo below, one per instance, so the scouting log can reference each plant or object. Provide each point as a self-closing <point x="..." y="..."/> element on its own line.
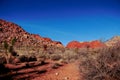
<point x="92" y="44"/>
<point x="9" y="30"/>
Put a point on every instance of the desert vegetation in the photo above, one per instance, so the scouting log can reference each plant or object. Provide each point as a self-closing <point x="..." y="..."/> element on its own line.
<point x="94" y="63"/>
<point x="105" y="65"/>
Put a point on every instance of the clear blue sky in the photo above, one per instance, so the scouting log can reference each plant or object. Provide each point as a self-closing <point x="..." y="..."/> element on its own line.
<point x="65" y="20"/>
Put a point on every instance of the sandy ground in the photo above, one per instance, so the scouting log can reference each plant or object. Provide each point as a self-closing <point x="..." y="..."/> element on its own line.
<point x="66" y="72"/>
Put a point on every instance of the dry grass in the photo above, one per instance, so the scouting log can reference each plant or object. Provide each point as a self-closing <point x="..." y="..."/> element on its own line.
<point x="103" y="66"/>
<point x="95" y="64"/>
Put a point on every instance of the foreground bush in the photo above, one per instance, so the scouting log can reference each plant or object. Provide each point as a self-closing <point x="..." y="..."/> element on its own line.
<point x="2" y="60"/>
<point x="55" y="57"/>
<point x="106" y="65"/>
<point x="23" y="58"/>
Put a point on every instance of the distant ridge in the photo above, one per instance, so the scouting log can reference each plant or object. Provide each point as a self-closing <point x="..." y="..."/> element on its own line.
<point x="113" y="41"/>
<point x="91" y="44"/>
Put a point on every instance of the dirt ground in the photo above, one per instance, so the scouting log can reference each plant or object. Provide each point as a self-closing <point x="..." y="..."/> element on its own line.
<point x="67" y="72"/>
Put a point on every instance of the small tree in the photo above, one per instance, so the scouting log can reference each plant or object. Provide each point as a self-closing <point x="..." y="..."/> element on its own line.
<point x="6" y="45"/>
<point x="13" y="41"/>
<point x="9" y="48"/>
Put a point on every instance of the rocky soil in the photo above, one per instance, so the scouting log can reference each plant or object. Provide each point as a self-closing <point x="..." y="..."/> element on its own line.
<point x="42" y="71"/>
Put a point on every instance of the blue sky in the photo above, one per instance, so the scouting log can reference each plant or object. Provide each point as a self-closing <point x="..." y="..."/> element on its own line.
<point x="65" y="20"/>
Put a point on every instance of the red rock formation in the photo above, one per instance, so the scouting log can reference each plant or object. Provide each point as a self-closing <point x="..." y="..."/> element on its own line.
<point x="96" y="43"/>
<point x="9" y="30"/>
<point x="47" y="39"/>
<point x="73" y="44"/>
<point x="57" y="42"/>
<point x="38" y="37"/>
<point x="92" y="44"/>
<point x="84" y="44"/>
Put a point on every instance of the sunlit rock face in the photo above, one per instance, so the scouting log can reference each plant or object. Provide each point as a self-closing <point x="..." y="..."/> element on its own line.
<point x="92" y="44"/>
<point x="95" y="44"/>
<point x="73" y="44"/>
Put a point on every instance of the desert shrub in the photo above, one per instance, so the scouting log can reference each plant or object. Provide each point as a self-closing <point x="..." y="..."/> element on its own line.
<point x="32" y="58"/>
<point x="1" y="29"/>
<point x="43" y="55"/>
<point x="13" y="53"/>
<point x="41" y="71"/>
<point x="56" y="65"/>
<point x="6" y="45"/>
<point x="43" y="62"/>
<point x="70" y="55"/>
<point x="10" y="49"/>
<point x="82" y="53"/>
<point x="55" y="57"/>
<point x="13" y="41"/>
<point x="106" y="65"/>
<point x="23" y="58"/>
<point x="2" y="60"/>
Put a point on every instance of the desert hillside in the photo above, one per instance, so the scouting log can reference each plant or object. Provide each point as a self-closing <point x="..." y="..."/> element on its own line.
<point x="9" y="30"/>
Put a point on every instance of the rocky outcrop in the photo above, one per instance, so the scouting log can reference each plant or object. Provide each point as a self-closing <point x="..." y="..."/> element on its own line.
<point x="92" y="44"/>
<point x="113" y="41"/>
<point x="36" y="36"/>
<point x="96" y="43"/>
<point x="9" y="30"/>
<point x="73" y="44"/>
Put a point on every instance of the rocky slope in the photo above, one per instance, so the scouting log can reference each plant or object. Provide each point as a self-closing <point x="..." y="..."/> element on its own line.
<point x="9" y="30"/>
<point x="113" y="41"/>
